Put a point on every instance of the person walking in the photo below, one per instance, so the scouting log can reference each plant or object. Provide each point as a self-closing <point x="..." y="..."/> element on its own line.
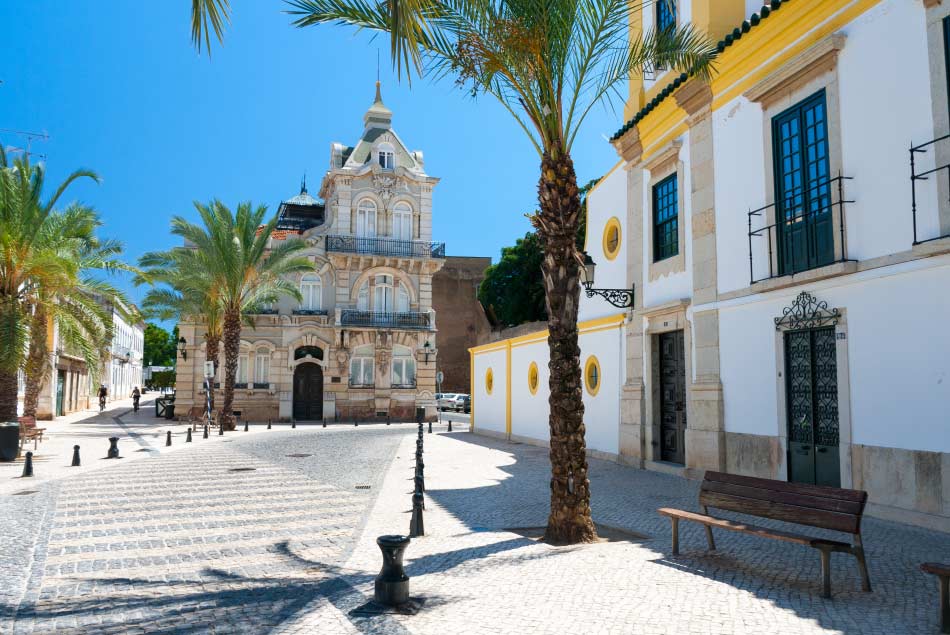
<point x="103" y="393"/>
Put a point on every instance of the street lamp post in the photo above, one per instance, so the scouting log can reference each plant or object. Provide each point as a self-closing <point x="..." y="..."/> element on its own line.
<point x="622" y="298"/>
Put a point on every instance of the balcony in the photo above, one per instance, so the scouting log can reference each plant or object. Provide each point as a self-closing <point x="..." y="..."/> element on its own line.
<point x="931" y="148"/>
<point x="385" y="247"/>
<point x="376" y="319"/>
<point x="803" y="232"/>
<point x="310" y="312"/>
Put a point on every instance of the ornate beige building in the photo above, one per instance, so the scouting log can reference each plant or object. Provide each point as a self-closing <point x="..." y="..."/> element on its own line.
<point x="362" y="343"/>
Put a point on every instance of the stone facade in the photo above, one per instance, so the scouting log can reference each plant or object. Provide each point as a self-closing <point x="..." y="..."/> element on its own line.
<point x="464" y="324"/>
<point x="362" y="343"/>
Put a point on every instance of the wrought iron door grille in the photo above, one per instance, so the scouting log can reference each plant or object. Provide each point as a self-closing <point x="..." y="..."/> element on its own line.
<point x="385" y="247"/>
<point x="406" y="320"/>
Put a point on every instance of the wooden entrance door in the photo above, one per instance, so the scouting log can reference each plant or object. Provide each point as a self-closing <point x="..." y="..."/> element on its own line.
<point x="308" y="392"/>
<point x="672" y="397"/>
<point x="811" y="376"/>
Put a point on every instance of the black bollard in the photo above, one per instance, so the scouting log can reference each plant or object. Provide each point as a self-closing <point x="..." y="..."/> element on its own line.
<point x="28" y="465"/>
<point x="293" y="424"/>
<point x="75" y="456"/>
<point x="419" y="485"/>
<point x="206" y="431"/>
<point x="245" y="426"/>
<point x="430" y="427"/>
<point x="168" y="439"/>
<point x="324" y="422"/>
<point x="113" y="448"/>
<point x="392" y="583"/>
<point x="268" y="424"/>
<point x="356" y="422"/>
<point x="416" y="526"/>
<point x="450" y="425"/>
<point x="188" y="436"/>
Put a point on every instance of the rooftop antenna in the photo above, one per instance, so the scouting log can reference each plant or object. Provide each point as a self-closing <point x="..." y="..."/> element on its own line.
<point x="29" y="136"/>
<point x="377" y="64"/>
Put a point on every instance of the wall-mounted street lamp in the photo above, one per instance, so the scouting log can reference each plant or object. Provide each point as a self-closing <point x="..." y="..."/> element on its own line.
<point x="181" y="347"/>
<point x="622" y="298"/>
<point x="427" y="348"/>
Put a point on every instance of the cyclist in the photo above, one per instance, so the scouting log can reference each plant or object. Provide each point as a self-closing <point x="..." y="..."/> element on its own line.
<point x="135" y="399"/>
<point x="103" y="392"/>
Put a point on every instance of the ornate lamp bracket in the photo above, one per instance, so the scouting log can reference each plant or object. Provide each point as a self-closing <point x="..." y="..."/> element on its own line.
<point x="807" y="312"/>
<point x="621" y="298"/>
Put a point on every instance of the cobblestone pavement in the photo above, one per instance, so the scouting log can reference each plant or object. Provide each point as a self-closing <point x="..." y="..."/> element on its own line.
<point x="181" y="543"/>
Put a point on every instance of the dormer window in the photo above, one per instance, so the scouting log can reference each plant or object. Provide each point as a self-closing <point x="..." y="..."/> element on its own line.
<point x="386" y="157"/>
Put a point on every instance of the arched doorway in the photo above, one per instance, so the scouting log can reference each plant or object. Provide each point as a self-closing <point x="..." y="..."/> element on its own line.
<point x="308" y="392"/>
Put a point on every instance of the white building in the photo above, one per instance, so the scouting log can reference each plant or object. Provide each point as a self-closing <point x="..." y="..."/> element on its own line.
<point x="121" y="369"/>
<point x="791" y="276"/>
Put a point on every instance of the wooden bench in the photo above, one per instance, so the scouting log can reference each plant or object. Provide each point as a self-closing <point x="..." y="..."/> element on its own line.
<point x="942" y="571"/>
<point x="29" y="431"/>
<point x="813" y="505"/>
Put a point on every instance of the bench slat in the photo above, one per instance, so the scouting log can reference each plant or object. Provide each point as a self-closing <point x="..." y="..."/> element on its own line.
<point x="800" y="500"/>
<point x="821" y="491"/>
<point x="755" y="530"/>
<point x="823" y="519"/>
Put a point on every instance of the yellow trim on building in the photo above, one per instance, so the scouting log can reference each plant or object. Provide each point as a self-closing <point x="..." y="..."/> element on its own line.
<point x="592" y="380"/>
<point x="471" y="391"/>
<point x="533" y="378"/>
<point x="587" y="326"/>
<point x="489" y="381"/>
<point x="508" y="392"/>
<point x="612" y="225"/>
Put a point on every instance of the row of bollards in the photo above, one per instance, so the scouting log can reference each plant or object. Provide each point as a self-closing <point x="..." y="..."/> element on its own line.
<point x="416" y="524"/>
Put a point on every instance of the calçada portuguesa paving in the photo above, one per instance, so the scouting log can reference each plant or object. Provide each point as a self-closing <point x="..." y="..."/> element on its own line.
<point x="190" y="539"/>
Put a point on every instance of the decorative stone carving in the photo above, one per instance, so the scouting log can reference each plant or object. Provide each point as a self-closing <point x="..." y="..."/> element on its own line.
<point x="387" y="186"/>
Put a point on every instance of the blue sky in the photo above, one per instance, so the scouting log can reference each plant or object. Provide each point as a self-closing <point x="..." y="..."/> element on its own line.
<point x="119" y="89"/>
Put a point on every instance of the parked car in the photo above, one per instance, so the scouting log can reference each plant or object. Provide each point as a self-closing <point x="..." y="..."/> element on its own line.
<point x="446" y="400"/>
<point x="463" y="403"/>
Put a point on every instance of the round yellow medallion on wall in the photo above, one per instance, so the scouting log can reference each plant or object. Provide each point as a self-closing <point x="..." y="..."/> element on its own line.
<point x="612" y="237"/>
<point x="592" y="376"/>
<point x="533" y="378"/>
<point x="489" y="380"/>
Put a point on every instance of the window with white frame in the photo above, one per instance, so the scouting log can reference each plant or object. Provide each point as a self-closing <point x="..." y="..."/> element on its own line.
<point x="404" y="366"/>
<point x="241" y="377"/>
<point x="311" y="288"/>
<point x="402" y="221"/>
<point x="362" y="297"/>
<point x="383" y="294"/>
<point x="386" y="156"/>
<point x="361" y="366"/>
<point x="262" y="367"/>
<point x="366" y="218"/>
<point x="402" y="299"/>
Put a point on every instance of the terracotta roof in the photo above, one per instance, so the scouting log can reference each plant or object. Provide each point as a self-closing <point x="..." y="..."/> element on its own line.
<point x="746" y="26"/>
<point x="281" y="234"/>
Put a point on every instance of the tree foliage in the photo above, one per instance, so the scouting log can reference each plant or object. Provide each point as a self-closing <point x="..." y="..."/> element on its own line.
<point x="161" y="347"/>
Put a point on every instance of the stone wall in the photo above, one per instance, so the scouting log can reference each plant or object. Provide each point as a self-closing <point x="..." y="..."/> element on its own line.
<point x="461" y="321"/>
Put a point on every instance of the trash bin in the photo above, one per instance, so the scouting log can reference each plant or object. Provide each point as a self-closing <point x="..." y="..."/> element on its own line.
<point x="170" y="411"/>
<point x="9" y="440"/>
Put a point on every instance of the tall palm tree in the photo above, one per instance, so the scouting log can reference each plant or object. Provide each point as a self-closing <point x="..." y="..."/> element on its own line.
<point x="28" y="262"/>
<point x="183" y="296"/>
<point x="231" y="251"/>
<point x="548" y="62"/>
<point x="72" y="306"/>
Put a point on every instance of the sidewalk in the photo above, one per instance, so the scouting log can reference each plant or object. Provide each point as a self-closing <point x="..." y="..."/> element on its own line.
<point x="141" y="434"/>
<point x="474" y="575"/>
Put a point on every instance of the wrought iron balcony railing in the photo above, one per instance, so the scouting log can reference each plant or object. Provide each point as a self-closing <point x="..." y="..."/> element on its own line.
<point x="408" y="320"/>
<point x="916" y="176"/>
<point x="801" y="235"/>
<point x="385" y="247"/>
<point x="310" y="312"/>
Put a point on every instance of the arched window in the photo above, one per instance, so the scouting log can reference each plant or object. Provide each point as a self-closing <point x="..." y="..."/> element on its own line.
<point x="386" y="156"/>
<point x="402" y="299"/>
<point x="366" y="218"/>
<point x="362" y="298"/>
<point x="383" y="294"/>
<point x="240" y="380"/>
<point x="402" y="221"/>
<point x="311" y="288"/>
<point x="404" y="366"/>
<point x="361" y="366"/>
<point x="262" y="368"/>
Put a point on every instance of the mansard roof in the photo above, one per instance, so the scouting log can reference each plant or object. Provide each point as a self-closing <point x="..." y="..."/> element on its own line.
<point x="301" y="212"/>
<point x="378" y="123"/>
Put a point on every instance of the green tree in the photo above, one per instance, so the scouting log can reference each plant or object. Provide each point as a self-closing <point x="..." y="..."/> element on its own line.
<point x="157" y="349"/>
<point x="29" y="263"/>
<point x="548" y="63"/>
<point x="229" y="254"/>
<point x="512" y="288"/>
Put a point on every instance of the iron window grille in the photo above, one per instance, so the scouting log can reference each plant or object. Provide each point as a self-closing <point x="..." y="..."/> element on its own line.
<point x="665" y="15"/>
<point x="404" y="320"/>
<point x="782" y="249"/>
<point x="257" y="385"/>
<point x="665" y="219"/>
<point x="915" y="177"/>
<point x="238" y="384"/>
<point x="384" y="246"/>
<point x="310" y="312"/>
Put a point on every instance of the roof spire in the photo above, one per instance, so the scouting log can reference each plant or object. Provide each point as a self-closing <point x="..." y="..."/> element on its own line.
<point x="379" y="97"/>
<point x="378" y="115"/>
<point x="303" y="184"/>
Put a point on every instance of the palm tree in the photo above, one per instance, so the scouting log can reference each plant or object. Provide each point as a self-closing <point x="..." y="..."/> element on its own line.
<point x="72" y="305"/>
<point x="548" y="62"/>
<point x="28" y="263"/>
<point x="183" y="296"/>
<point x="231" y="252"/>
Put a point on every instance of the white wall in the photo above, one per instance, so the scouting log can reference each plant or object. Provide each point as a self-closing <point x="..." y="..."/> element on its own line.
<point x="608" y="200"/>
<point x="897" y="349"/>
<point x="529" y="413"/>
<point x="490" y="408"/>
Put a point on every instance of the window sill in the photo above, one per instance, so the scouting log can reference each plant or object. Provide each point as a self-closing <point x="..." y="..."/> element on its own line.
<point x="812" y="275"/>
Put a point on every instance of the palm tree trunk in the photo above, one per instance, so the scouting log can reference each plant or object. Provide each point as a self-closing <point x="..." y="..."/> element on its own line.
<point x="570" y="520"/>
<point x="232" y="346"/>
<point x="8" y="388"/>
<point x="37" y="361"/>
<point x="212" y="342"/>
